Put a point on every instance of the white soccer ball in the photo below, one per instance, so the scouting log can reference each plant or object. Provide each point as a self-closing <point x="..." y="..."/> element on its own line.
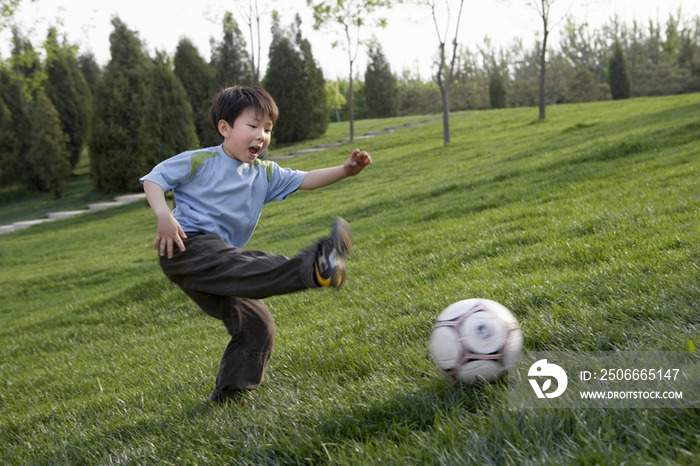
<point x="475" y="339"/>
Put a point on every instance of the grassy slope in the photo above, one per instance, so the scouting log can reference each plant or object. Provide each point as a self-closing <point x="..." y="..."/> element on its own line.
<point x="16" y="204"/>
<point x="585" y="226"/>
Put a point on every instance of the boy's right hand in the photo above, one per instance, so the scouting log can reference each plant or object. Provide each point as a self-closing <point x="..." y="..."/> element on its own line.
<point x="169" y="232"/>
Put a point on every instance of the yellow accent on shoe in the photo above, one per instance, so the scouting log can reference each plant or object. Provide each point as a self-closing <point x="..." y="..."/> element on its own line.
<point x="321" y="281"/>
<point x="339" y="277"/>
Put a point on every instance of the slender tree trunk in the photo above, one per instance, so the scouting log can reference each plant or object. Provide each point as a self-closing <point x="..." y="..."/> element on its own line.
<point x="350" y="109"/>
<point x="445" y="115"/>
<point x="543" y="71"/>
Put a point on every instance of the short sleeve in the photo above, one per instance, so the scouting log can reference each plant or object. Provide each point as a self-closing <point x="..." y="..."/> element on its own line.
<point x="171" y="172"/>
<point x="283" y="182"/>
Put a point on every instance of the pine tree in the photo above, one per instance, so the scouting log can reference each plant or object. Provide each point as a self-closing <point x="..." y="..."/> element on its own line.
<point x="230" y="66"/>
<point x="8" y="144"/>
<point x="230" y="58"/>
<point x="90" y="69"/>
<point x="18" y="79"/>
<point x="381" y="92"/>
<point x="167" y="127"/>
<point x="619" y="74"/>
<point x="115" y="164"/>
<point x="48" y="157"/>
<point x="195" y="75"/>
<point x="497" y="90"/>
<point x="69" y="92"/>
<point x="296" y="83"/>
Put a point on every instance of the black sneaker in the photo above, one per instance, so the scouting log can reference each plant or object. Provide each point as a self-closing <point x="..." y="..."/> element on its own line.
<point x="330" y="263"/>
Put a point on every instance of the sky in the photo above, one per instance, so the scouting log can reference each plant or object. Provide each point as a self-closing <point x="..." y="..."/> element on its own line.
<point x="409" y="41"/>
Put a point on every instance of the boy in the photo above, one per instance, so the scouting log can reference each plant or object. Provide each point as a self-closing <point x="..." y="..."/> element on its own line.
<point x="220" y="192"/>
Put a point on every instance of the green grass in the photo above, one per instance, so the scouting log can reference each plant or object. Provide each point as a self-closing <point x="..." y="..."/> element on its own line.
<point x="585" y="225"/>
<point x="17" y="204"/>
<point x="338" y="131"/>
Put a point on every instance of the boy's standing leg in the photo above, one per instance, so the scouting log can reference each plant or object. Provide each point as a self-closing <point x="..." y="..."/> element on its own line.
<point x="252" y="330"/>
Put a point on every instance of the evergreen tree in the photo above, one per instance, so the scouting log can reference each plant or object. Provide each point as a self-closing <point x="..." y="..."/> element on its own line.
<point x="619" y="74"/>
<point x="8" y="144"/>
<point x="48" y="157"/>
<point x="115" y="164"/>
<point x="69" y="92"/>
<point x="195" y="75"/>
<point x="229" y="67"/>
<point x="90" y="69"/>
<point x="296" y="83"/>
<point x="381" y="92"/>
<point x="497" y="89"/>
<point x="229" y="57"/>
<point x="19" y="79"/>
<point x="167" y="127"/>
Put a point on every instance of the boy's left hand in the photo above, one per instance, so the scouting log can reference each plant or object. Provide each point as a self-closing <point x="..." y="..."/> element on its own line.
<point x="357" y="161"/>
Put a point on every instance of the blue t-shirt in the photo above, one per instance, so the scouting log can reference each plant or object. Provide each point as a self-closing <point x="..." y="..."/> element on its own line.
<point x="220" y="195"/>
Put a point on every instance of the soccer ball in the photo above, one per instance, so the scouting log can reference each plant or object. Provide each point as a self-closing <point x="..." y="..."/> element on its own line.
<point x="475" y="339"/>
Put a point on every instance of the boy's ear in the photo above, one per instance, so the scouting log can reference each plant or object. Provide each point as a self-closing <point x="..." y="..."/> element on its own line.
<point x="224" y="128"/>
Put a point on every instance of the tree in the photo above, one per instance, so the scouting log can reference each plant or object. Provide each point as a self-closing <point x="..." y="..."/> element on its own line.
<point x="9" y="156"/>
<point x="195" y="74"/>
<point x="48" y="157"/>
<point x="252" y="19"/>
<point x="296" y="83"/>
<point x="544" y="9"/>
<point x="230" y="66"/>
<point x="445" y="72"/>
<point x="229" y="57"/>
<point x="7" y="11"/>
<point x="115" y="164"/>
<point x="350" y="15"/>
<point x="381" y="93"/>
<point x="497" y="90"/>
<point x="619" y="74"/>
<point x="359" y="108"/>
<point x="20" y="78"/>
<point x="167" y="127"/>
<point x="334" y="99"/>
<point x="69" y="92"/>
<point x="90" y="69"/>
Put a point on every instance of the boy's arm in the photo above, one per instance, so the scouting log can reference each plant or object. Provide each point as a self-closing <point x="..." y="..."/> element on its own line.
<point x="323" y="177"/>
<point x="169" y="230"/>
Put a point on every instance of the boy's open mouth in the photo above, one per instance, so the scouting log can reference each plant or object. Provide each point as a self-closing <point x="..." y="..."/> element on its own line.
<point x="253" y="151"/>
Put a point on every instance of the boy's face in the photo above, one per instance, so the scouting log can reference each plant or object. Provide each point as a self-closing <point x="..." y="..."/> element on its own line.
<point x="249" y="136"/>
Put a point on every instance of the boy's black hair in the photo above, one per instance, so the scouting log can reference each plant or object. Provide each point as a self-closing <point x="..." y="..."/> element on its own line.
<point x="230" y="102"/>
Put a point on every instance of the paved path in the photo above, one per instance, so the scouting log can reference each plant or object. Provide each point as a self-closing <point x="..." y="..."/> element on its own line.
<point x="370" y="134"/>
<point x="135" y="197"/>
<point x="59" y="215"/>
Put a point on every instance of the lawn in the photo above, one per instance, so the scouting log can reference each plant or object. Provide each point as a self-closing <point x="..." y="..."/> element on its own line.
<point x="585" y="225"/>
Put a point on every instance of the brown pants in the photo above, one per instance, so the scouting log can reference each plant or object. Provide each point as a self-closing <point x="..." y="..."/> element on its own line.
<point x="228" y="283"/>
